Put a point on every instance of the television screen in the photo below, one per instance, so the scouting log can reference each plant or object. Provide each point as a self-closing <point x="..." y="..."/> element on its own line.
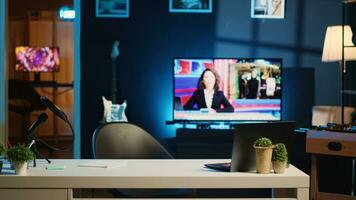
<point x="37" y="59"/>
<point x="227" y="89"/>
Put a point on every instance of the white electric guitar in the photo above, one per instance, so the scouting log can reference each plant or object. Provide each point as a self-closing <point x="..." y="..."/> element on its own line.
<point x="113" y="111"/>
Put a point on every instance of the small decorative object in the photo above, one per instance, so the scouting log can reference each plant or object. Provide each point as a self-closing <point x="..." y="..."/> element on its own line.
<point x="267" y="9"/>
<point x="263" y="148"/>
<point x="19" y="156"/>
<point x="2" y="151"/>
<point x="191" y="6"/>
<point x="112" y="8"/>
<point x="279" y="158"/>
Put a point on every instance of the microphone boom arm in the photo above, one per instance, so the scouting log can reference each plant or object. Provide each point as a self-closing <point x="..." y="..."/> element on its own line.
<point x="58" y="112"/>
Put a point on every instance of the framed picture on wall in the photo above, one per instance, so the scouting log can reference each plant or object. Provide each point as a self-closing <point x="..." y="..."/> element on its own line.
<point x="268" y="9"/>
<point x="191" y="6"/>
<point x="112" y="8"/>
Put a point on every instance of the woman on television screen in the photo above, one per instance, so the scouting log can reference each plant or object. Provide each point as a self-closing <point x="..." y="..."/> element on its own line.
<point x="208" y="97"/>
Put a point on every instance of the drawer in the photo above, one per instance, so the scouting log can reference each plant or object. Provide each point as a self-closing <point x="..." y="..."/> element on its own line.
<point x="38" y="194"/>
<point x="331" y="143"/>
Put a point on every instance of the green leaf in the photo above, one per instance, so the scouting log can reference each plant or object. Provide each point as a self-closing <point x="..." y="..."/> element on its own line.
<point x="263" y="142"/>
<point x="20" y="154"/>
<point x="2" y="149"/>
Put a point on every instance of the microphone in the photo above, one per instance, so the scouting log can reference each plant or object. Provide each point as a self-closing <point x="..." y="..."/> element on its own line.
<point x="55" y="109"/>
<point x="31" y="131"/>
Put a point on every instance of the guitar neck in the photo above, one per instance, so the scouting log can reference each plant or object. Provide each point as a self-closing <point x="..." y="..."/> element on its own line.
<point x="114" y="82"/>
<point x="114" y="54"/>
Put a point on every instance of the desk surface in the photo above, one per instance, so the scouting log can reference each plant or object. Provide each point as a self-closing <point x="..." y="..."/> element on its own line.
<point x="150" y="174"/>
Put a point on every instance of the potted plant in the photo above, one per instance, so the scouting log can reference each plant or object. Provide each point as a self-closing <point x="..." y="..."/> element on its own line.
<point x="19" y="156"/>
<point x="279" y="158"/>
<point x="2" y="152"/>
<point x="263" y="148"/>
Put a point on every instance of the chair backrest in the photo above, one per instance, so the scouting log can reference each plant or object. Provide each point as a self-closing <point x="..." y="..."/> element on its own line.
<point x="23" y="98"/>
<point x="122" y="140"/>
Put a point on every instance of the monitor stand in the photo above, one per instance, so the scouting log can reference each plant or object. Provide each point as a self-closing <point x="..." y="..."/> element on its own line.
<point x="37" y="77"/>
<point x="37" y="80"/>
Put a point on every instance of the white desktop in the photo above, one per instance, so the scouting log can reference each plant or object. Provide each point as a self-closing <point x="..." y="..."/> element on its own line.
<point x="41" y="183"/>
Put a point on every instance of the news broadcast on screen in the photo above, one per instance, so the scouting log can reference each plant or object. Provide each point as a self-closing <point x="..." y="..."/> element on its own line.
<point x="247" y="89"/>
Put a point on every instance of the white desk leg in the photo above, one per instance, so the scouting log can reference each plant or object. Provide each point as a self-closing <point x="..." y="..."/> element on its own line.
<point x="70" y="194"/>
<point x="303" y="193"/>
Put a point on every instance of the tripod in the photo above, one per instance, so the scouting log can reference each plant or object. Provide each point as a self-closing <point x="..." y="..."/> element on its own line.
<point x="33" y="147"/>
<point x="32" y="141"/>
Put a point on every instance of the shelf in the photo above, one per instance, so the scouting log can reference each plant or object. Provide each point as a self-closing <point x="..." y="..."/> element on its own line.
<point x="53" y="84"/>
<point x="349" y="1"/>
<point x="351" y="92"/>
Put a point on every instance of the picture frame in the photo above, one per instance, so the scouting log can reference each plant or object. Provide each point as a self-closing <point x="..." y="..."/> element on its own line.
<point x="190" y="6"/>
<point x="272" y="9"/>
<point x="112" y="8"/>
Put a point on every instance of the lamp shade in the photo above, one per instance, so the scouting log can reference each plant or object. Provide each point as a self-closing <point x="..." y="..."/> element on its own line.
<point x="332" y="50"/>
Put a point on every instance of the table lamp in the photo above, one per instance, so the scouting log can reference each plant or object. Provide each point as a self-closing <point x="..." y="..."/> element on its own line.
<point x="333" y="44"/>
<point x="333" y="51"/>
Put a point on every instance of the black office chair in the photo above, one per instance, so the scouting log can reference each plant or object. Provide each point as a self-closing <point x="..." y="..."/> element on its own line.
<point x="122" y="140"/>
<point x="23" y="98"/>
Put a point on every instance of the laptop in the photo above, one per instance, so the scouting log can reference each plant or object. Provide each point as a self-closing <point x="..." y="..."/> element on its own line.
<point x="243" y="153"/>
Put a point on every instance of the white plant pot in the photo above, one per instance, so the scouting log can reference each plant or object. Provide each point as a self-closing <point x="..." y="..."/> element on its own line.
<point x="21" y="168"/>
<point x="279" y="167"/>
<point x="263" y="159"/>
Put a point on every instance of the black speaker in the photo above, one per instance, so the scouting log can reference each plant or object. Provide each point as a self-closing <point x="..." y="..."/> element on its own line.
<point x="298" y="95"/>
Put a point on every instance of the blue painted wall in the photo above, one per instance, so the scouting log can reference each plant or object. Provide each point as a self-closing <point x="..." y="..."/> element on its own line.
<point x="298" y="38"/>
<point x="3" y="72"/>
<point x="152" y="36"/>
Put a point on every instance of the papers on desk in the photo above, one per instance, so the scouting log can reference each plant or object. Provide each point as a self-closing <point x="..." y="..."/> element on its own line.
<point x="103" y="164"/>
<point x="55" y="167"/>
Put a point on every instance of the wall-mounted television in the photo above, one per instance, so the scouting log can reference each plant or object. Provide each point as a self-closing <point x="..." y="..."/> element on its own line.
<point x="227" y="89"/>
<point x="37" y="59"/>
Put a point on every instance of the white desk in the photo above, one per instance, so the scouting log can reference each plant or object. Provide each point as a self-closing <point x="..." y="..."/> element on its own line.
<point x="44" y="184"/>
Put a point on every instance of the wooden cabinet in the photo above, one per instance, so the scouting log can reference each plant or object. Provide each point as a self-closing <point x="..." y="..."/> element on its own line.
<point x="38" y="194"/>
<point x="329" y="143"/>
